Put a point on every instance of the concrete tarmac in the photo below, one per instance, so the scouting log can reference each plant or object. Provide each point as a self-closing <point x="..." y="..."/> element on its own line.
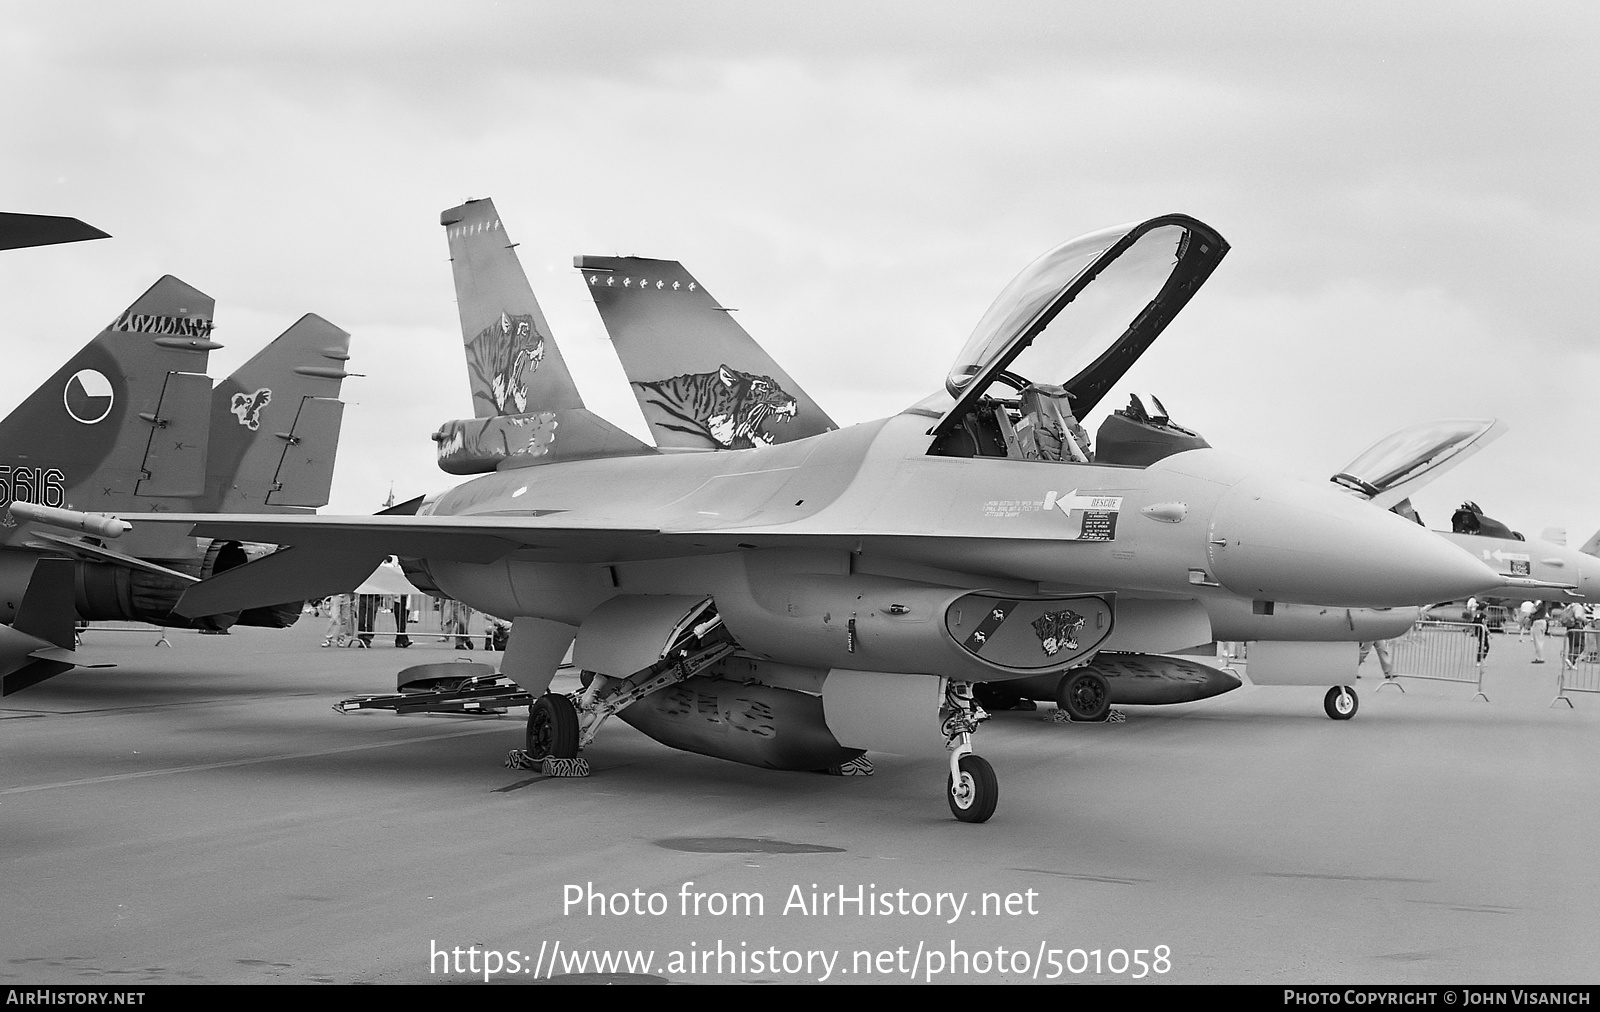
<point x="201" y="814"/>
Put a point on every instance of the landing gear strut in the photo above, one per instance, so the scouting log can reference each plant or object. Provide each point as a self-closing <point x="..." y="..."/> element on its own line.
<point x="972" y="789"/>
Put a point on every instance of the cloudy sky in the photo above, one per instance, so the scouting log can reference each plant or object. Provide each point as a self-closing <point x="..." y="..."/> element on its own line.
<point x="1408" y="189"/>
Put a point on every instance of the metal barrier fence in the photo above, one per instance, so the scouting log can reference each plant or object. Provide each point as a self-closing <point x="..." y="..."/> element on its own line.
<point x="1441" y="652"/>
<point x="361" y="618"/>
<point x="1580" y="664"/>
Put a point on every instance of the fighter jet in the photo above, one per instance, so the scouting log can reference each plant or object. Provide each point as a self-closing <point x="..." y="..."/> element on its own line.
<point x="794" y="605"/>
<point x="123" y="426"/>
<point x="664" y="322"/>
<point x="1391" y="470"/>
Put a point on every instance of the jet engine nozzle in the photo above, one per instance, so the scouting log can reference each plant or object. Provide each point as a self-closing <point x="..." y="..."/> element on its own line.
<point x="1278" y="539"/>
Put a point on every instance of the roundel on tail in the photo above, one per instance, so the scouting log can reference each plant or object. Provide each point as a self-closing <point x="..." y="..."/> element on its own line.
<point x="88" y="396"/>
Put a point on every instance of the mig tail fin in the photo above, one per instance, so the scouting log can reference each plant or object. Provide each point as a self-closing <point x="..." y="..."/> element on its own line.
<point x="702" y="382"/>
<point x="526" y="406"/>
<point x="123" y="425"/>
<point x="275" y="424"/>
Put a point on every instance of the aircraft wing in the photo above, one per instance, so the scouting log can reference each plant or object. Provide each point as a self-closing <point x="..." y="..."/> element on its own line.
<point x="332" y="555"/>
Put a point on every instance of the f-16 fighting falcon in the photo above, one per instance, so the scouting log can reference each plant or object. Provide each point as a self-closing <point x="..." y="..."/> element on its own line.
<point x="795" y="604"/>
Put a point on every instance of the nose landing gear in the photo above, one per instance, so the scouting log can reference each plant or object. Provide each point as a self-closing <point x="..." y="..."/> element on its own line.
<point x="972" y="788"/>
<point x="1341" y="702"/>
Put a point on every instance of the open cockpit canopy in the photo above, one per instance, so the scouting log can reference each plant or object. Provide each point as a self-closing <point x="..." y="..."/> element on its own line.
<point x="1393" y="468"/>
<point x="1067" y="328"/>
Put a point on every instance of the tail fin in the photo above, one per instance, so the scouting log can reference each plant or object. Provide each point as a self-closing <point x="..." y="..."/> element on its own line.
<point x="275" y="424"/>
<point x="700" y="379"/>
<point x="123" y="423"/>
<point x="513" y="363"/>
<point x="1592" y="546"/>
<point x="527" y="407"/>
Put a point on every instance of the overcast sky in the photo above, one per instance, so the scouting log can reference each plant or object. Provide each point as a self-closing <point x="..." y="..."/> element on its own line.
<point x="1409" y="189"/>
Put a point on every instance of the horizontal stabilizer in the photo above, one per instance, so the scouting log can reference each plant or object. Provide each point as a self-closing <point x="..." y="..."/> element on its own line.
<point x="404" y="509"/>
<point x="47" y="610"/>
<point x="288" y="575"/>
<point x="31" y="673"/>
<point x="55" y="542"/>
<point x="20" y="230"/>
<point x="701" y="381"/>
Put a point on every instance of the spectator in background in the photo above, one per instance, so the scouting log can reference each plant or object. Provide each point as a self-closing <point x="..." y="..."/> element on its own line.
<point x="1539" y="622"/>
<point x="1384" y="661"/>
<point x="401" y="606"/>
<point x="335" y="635"/>
<point x="366" y="619"/>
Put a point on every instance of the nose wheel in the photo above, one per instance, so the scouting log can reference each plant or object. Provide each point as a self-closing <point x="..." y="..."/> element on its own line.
<point x="1341" y="702"/>
<point x="972" y="788"/>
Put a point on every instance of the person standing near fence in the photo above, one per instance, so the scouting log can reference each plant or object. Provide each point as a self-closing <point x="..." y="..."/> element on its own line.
<point x="458" y="616"/>
<point x="1573" y="618"/>
<point x="1384" y="660"/>
<point x="1479" y="618"/>
<point x="401" y="605"/>
<point x="366" y="619"/>
<point x="1540" y="625"/>
<point x="334" y="634"/>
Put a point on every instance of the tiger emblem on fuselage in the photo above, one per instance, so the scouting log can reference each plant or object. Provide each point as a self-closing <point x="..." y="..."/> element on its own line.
<point x="1058" y="630"/>
<point x="729" y="408"/>
<point x="501" y="362"/>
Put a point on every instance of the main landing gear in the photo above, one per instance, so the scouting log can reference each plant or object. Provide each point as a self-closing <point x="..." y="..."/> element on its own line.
<point x="559" y="726"/>
<point x="1085" y="695"/>
<point x="1341" y="702"/>
<point x="972" y="790"/>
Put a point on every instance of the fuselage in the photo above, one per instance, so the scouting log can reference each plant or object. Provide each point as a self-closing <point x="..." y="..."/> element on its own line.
<point x="870" y="500"/>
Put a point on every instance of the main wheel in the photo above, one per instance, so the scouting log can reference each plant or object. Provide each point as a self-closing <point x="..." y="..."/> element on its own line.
<point x="974" y="797"/>
<point x="1085" y="695"/>
<point x="552" y="728"/>
<point x="1341" y="702"/>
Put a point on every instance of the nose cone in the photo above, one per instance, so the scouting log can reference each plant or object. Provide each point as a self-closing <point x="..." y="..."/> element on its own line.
<point x="1278" y="539"/>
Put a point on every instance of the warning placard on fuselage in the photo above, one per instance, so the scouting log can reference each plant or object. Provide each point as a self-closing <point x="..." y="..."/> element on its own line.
<point x="1093" y="517"/>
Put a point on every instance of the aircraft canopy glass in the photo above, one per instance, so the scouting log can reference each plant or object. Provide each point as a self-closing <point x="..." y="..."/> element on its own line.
<point x="1403" y="457"/>
<point x="1025" y="298"/>
<point x="1080" y="315"/>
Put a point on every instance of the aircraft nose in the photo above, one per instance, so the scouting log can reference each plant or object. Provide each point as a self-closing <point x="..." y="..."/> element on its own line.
<point x="1277" y="539"/>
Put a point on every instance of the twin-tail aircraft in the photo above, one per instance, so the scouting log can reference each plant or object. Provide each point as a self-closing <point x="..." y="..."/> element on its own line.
<point x="132" y="425"/>
<point x="794" y="604"/>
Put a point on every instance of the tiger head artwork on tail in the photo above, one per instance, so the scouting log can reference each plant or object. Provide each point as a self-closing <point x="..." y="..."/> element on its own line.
<point x="526" y="408"/>
<point x="501" y="362"/>
<point x="733" y="410"/>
